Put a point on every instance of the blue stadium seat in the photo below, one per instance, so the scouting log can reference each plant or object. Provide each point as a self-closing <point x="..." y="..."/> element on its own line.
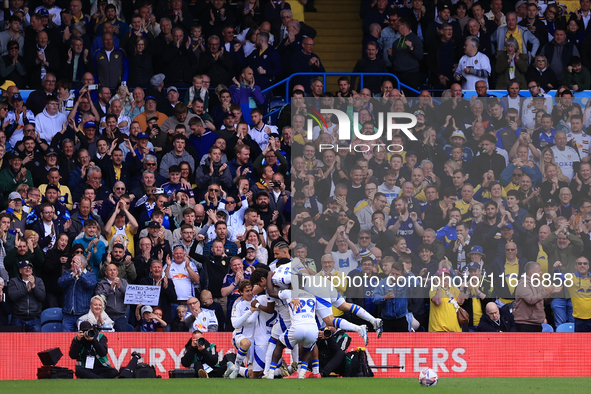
<point x="547" y="328"/>
<point x="566" y="327"/>
<point x="130" y="328"/>
<point x="276" y="103"/>
<point x="51" y="315"/>
<point x="52" y="327"/>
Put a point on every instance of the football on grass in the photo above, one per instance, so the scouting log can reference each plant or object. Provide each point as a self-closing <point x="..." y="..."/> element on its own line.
<point x="428" y="377"/>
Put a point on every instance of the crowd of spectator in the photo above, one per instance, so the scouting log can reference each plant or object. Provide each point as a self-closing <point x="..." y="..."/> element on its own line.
<point x="436" y="44"/>
<point x="144" y="156"/>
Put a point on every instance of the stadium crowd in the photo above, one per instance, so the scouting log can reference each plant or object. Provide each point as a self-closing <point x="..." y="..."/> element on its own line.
<point x="144" y="156"/>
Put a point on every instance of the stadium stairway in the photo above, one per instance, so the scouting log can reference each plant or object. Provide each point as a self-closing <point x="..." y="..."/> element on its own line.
<point x="339" y="39"/>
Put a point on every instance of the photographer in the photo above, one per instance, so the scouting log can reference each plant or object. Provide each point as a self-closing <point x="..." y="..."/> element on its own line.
<point x="89" y="349"/>
<point x="203" y="356"/>
<point x="332" y="347"/>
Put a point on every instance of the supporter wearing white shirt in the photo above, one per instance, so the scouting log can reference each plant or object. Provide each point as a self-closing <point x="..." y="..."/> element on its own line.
<point x="200" y="319"/>
<point x="389" y="188"/>
<point x="123" y="121"/>
<point x="538" y="102"/>
<point x="50" y="121"/>
<point x="183" y="273"/>
<point x="582" y="139"/>
<point x="347" y="254"/>
<point x="473" y="66"/>
<point x="564" y="156"/>
<point x="260" y="131"/>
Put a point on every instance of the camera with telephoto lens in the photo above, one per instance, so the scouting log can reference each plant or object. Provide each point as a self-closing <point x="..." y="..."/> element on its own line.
<point x="201" y="341"/>
<point x="93" y="332"/>
<point x="327" y="333"/>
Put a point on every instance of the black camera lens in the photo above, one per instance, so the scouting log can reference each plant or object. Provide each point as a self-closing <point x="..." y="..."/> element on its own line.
<point x="327" y="333"/>
<point x="91" y="333"/>
<point x="201" y="341"/>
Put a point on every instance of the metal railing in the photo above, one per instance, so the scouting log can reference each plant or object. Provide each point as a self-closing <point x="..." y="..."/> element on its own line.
<point x="287" y="80"/>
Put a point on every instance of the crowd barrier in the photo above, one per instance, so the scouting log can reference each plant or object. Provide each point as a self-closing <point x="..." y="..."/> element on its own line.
<point x="451" y="355"/>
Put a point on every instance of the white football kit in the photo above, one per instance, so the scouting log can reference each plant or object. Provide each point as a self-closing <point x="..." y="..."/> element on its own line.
<point x="303" y="318"/>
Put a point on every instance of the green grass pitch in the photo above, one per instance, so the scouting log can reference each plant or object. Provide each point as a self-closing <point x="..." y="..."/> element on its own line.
<point x="309" y="386"/>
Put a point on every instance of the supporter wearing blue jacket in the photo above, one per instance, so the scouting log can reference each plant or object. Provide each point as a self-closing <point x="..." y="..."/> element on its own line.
<point x="94" y="247"/>
<point x="393" y="293"/>
<point x="78" y="285"/>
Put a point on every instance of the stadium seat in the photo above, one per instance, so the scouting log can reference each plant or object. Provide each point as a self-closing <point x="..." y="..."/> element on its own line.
<point x="130" y="328"/>
<point x="566" y="327"/>
<point x="51" y="315"/>
<point x="52" y="327"/>
<point x="547" y="328"/>
<point x="276" y="103"/>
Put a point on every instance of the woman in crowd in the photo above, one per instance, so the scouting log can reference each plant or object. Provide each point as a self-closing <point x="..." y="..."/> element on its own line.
<point x="57" y="261"/>
<point x="97" y="315"/>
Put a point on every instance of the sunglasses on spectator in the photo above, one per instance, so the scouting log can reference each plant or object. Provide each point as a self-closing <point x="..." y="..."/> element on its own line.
<point x="214" y="190"/>
<point x="230" y="202"/>
<point x="510" y="250"/>
<point x="582" y="263"/>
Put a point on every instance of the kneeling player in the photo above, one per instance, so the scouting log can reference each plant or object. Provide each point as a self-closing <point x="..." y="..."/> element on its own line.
<point x="243" y="334"/>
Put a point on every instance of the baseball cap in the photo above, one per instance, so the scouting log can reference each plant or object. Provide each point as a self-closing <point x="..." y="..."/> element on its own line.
<point x="549" y="202"/>
<point x="17" y="96"/>
<point x="153" y="224"/>
<point x="43" y="12"/>
<point x="157" y="80"/>
<point x="50" y="152"/>
<point x="261" y="193"/>
<point x="85" y="325"/>
<point x="172" y="88"/>
<point x="473" y="265"/>
<point x="442" y="271"/>
<point x="15" y="196"/>
<point x="142" y="136"/>
<point x="54" y="187"/>
<point x="24" y="263"/>
<point x="149" y="118"/>
<point x="146" y="308"/>
<point x="16" y="154"/>
<point x="520" y="3"/>
<point x="539" y="95"/>
<point x="477" y="249"/>
<point x="458" y="133"/>
<point x="8" y="83"/>
<point x="507" y="225"/>
<point x="250" y="246"/>
<point x="419" y="112"/>
<point x="150" y="98"/>
<point x="89" y="124"/>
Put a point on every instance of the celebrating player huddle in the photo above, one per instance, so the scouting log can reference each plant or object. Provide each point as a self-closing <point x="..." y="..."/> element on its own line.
<point x="286" y="315"/>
